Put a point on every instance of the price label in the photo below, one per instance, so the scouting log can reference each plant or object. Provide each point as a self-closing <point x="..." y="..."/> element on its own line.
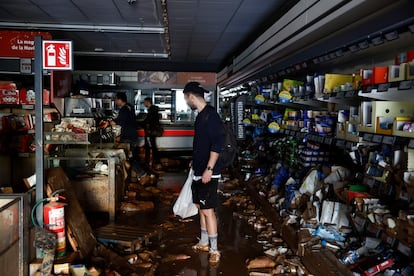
<point x="367" y="137"/>
<point x="377" y="139"/>
<point x="389" y="140"/>
<point x="340" y="95"/>
<point x="383" y="87"/>
<point x="405" y="85"/>
<point x="350" y="94"/>
<point x="349" y="145"/>
<point x="28" y="106"/>
<point x="367" y="89"/>
<point x="340" y="143"/>
<point x="328" y="140"/>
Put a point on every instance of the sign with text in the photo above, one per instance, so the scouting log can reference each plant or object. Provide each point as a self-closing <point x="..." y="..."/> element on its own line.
<point x="57" y="55"/>
<point x="19" y="44"/>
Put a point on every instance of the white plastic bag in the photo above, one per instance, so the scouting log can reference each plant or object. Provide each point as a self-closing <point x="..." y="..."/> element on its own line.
<point x="184" y="206"/>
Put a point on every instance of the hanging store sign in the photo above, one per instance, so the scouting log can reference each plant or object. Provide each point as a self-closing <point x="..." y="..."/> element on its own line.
<point x="19" y="44"/>
<point x="57" y="55"/>
<point x="204" y="78"/>
<point x="177" y="78"/>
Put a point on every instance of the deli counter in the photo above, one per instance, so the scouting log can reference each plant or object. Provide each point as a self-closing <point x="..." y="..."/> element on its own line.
<point x="176" y="118"/>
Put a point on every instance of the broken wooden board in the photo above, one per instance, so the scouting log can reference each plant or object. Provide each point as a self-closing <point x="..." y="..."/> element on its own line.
<point x="324" y="263"/>
<point x="132" y="237"/>
<point x="79" y="229"/>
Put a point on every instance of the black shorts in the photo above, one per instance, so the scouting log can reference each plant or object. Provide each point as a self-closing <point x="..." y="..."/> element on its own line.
<point x="205" y="195"/>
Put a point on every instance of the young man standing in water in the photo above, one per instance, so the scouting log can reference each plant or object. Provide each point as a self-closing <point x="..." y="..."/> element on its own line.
<point x="207" y="145"/>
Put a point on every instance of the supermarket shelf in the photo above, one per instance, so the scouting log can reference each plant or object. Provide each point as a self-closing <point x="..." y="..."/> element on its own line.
<point x="67" y="138"/>
<point x="313" y="261"/>
<point x="399" y="92"/>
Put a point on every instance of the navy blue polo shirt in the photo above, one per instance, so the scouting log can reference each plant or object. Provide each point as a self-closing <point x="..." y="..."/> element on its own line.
<point x="208" y="137"/>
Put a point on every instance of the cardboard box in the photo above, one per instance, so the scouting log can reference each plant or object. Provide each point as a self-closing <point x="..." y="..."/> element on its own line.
<point x="378" y="268"/>
<point x="409" y="71"/>
<point x="397" y="72"/>
<point x="366" y="77"/>
<point x="379" y="75"/>
<point x="333" y="81"/>
<point x="384" y="125"/>
<point x="27" y="96"/>
<point x="370" y="111"/>
<point x="8" y="93"/>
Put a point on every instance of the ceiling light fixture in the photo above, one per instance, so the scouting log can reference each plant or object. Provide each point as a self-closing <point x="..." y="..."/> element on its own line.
<point x="83" y="28"/>
<point x="353" y="48"/>
<point x="339" y="53"/>
<point x="363" y="44"/>
<point x="377" y="40"/>
<point x="119" y="54"/>
<point x="391" y="35"/>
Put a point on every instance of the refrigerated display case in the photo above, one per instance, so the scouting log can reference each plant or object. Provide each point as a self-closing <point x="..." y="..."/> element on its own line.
<point x="176" y="118"/>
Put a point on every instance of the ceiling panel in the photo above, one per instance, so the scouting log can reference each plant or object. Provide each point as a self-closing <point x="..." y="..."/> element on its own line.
<point x="201" y="31"/>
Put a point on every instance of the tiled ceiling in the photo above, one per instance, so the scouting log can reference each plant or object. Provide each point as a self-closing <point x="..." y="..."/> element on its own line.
<point x="204" y="34"/>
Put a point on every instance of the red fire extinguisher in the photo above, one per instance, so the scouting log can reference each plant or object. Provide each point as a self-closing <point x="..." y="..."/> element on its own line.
<point x="54" y="220"/>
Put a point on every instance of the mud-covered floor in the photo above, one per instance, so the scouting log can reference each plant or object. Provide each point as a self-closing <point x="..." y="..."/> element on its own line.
<point x="172" y="254"/>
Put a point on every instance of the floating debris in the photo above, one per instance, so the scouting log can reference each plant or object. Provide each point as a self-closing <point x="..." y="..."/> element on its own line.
<point x="261" y="262"/>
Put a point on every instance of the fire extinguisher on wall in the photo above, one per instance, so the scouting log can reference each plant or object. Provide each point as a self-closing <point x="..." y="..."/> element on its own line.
<point x="54" y="220"/>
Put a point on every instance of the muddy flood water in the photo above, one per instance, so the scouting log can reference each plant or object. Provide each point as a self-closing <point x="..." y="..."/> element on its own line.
<point x="172" y="253"/>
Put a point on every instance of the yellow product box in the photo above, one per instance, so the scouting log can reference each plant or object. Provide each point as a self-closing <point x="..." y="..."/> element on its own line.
<point x="336" y="80"/>
<point x="289" y="84"/>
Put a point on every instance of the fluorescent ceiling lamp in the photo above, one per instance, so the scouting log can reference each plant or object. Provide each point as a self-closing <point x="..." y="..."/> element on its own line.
<point x="119" y="54"/>
<point x="83" y="28"/>
<point x="363" y="44"/>
<point x="354" y="48"/>
<point x="391" y="35"/>
<point x="339" y="53"/>
<point x="377" y="40"/>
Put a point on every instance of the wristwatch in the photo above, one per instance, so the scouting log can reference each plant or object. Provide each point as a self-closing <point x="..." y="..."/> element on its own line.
<point x="209" y="168"/>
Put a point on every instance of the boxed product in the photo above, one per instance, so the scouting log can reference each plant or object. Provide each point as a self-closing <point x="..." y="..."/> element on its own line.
<point x="410" y="71"/>
<point x="379" y="75"/>
<point x="8" y="93"/>
<point x="27" y="96"/>
<point x="334" y="81"/>
<point x="403" y="57"/>
<point x="366" y="75"/>
<point x="397" y="72"/>
<point x="288" y="85"/>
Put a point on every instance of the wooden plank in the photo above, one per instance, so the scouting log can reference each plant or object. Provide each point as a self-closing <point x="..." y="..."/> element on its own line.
<point x="75" y="218"/>
<point x="127" y="235"/>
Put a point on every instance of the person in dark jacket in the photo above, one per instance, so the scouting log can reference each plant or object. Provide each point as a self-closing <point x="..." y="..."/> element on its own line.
<point x="207" y="145"/>
<point x="151" y="123"/>
<point x="127" y="120"/>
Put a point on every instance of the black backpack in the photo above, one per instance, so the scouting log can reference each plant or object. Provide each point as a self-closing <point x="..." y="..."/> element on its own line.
<point x="230" y="150"/>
